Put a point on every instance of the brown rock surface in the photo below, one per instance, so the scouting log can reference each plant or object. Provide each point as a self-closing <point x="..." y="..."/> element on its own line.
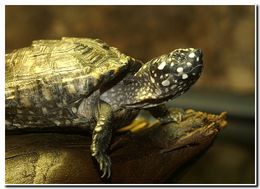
<point x="148" y="155"/>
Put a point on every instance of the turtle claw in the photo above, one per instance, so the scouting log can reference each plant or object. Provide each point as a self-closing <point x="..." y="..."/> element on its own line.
<point x="104" y="164"/>
<point x="177" y="117"/>
<point x="173" y="115"/>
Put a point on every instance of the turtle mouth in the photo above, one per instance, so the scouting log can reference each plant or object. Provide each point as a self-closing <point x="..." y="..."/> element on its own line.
<point x="194" y="73"/>
<point x="196" y="67"/>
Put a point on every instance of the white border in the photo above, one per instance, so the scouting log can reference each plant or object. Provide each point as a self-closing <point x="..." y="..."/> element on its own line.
<point x="2" y="95"/>
<point x="256" y="95"/>
<point x="106" y="2"/>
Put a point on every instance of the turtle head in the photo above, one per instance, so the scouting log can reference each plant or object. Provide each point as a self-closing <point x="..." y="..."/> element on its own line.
<point x="169" y="75"/>
<point x="176" y="71"/>
<point x="161" y="79"/>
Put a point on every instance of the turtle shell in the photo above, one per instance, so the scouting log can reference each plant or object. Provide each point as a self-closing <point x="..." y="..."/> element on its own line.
<point x="70" y="66"/>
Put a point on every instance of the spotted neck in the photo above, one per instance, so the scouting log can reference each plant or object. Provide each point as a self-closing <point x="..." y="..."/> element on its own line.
<point x="135" y="91"/>
<point x="129" y="91"/>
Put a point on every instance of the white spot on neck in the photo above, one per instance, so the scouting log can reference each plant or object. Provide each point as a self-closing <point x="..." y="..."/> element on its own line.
<point x="189" y="64"/>
<point x="192" y="55"/>
<point x="172" y="64"/>
<point x="152" y="79"/>
<point x="184" y="76"/>
<point x="158" y="91"/>
<point x="198" y="59"/>
<point x="180" y="69"/>
<point x="173" y="86"/>
<point x="162" y="65"/>
<point x="166" y="83"/>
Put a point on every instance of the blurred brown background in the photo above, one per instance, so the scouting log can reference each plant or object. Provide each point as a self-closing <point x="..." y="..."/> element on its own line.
<point x="224" y="33"/>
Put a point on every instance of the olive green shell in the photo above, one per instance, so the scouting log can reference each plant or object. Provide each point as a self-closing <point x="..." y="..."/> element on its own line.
<point x="61" y="62"/>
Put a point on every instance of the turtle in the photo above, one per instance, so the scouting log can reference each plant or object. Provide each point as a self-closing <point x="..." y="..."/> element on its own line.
<point x="87" y="84"/>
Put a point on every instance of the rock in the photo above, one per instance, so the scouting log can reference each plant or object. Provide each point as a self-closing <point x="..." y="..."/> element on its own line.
<point x="149" y="155"/>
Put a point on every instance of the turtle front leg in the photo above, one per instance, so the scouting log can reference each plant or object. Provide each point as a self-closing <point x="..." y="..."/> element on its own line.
<point x="101" y="138"/>
<point x="166" y="115"/>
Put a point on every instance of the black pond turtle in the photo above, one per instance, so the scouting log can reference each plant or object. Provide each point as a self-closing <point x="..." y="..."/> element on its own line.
<point x="84" y="83"/>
